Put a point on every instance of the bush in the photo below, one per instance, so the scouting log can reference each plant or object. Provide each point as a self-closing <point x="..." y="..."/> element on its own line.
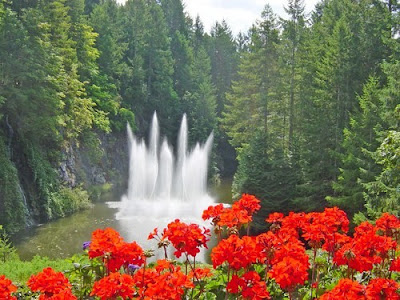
<point x="69" y="200"/>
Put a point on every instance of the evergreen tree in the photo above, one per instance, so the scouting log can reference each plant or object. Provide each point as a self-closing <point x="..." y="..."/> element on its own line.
<point x="382" y="193"/>
<point x="334" y="76"/>
<point x="181" y="49"/>
<point x="266" y="172"/>
<point x="202" y="115"/>
<point x="224" y="61"/>
<point x="360" y="140"/>
<point x="148" y="85"/>
<point x="293" y="36"/>
<point x="222" y="50"/>
<point x="250" y="105"/>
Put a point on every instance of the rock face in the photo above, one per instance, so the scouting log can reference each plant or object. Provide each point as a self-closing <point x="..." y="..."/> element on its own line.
<point x="98" y="176"/>
<point x="67" y="168"/>
<point x="105" y="163"/>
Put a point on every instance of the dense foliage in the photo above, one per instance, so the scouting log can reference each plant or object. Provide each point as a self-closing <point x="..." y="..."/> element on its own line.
<point x="73" y="74"/>
<point x="313" y="111"/>
<point x="301" y="256"/>
<point x="308" y="102"/>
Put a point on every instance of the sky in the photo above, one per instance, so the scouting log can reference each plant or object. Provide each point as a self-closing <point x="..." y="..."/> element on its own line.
<point x="239" y="14"/>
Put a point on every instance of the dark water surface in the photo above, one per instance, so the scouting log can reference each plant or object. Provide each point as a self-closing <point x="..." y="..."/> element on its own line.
<point x="64" y="237"/>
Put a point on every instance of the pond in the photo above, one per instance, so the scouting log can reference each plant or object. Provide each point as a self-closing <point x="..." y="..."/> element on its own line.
<point x="64" y="237"/>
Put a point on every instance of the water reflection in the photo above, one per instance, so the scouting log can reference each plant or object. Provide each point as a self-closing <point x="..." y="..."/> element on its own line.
<point x="64" y="237"/>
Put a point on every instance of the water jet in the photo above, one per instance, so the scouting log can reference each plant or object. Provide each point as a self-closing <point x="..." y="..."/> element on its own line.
<point x="163" y="186"/>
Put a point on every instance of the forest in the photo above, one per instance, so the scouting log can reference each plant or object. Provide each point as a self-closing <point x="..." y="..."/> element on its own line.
<point x="304" y="109"/>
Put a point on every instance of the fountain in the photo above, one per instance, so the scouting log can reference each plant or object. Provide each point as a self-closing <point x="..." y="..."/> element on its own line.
<point x="163" y="188"/>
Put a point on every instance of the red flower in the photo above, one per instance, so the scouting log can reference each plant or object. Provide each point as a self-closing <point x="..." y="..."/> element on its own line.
<point x="234" y="217"/>
<point x="321" y="227"/>
<point x="380" y="288"/>
<point x="364" y="250"/>
<point x="113" y="286"/>
<point x="234" y="284"/>
<point x="388" y="224"/>
<point x="186" y="238"/>
<point x="238" y="253"/>
<point x="249" y="286"/>
<point x="213" y="213"/>
<point x="200" y="273"/>
<point x="130" y="253"/>
<point x="345" y="289"/>
<point x="266" y="245"/>
<point x="248" y="203"/>
<point x="336" y="219"/>
<point x="363" y="229"/>
<point x="336" y="241"/>
<point x="240" y="213"/>
<point x="166" y="281"/>
<point x="153" y="234"/>
<point x="104" y="242"/>
<point x="289" y="272"/>
<point x="51" y="284"/>
<point x="254" y="288"/>
<point x="63" y="295"/>
<point x="114" y="251"/>
<point x="275" y="218"/>
<point x="395" y="265"/>
<point x="6" y="288"/>
<point x="293" y="223"/>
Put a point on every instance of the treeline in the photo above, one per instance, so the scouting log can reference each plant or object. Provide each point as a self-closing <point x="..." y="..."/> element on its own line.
<point x="73" y="73"/>
<point x="308" y="102"/>
<point x="314" y="112"/>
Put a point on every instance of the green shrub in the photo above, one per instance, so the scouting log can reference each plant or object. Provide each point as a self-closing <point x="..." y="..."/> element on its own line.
<point x="19" y="271"/>
<point x="68" y="200"/>
<point x="12" y="214"/>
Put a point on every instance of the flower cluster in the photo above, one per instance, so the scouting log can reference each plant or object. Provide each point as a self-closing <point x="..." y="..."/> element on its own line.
<point x="186" y="238"/>
<point x="378" y="288"/>
<point x="165" y="281"/>
<point x="7" y="288"/>
<point x="250" y="286"/>
<point x="113" y="286"/>
<point x="52" y="285"/>
<point x="237" y="252"/>
<point x="115" y="252"/>
<point x="233" y="217"/>
<point x="298" y="257"/>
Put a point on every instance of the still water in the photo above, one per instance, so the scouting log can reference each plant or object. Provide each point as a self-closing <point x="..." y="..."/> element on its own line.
<point x="64" y="237"/>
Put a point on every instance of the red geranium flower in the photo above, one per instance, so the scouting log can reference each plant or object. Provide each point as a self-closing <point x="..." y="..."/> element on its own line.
<point x="234" y="217"/>
<point x="293" y="223"/>
<point x="7" y="288"/>
<point x="238" y="253"/>
<point x="289" y="272"/>
<point x="345" y="289"/>
<point x="113" y="286"/>
<point x="114" y="251"/>
<point x="336" y="241"/>
<point x="248" y="203"/>
<point x="364" y="250"/>
<point x="395" y="265"/>
<point x="321" y="227"/>
<point x="388" y="224"/>
<point x="380" y="288"/>
<point x="51" y="285"/>
<point x="250" y="286"/>
<point x="275" y="218"/>
<point x="104" y="242"/>
<point x="213" y="213"/>
<point x="200" y="273"/>
<point x="165" y="281"/>
<point x="186" y="238"/>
